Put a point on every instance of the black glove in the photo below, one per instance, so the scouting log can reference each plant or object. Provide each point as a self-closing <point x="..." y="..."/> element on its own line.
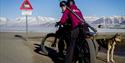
<point x="57" y="24"/>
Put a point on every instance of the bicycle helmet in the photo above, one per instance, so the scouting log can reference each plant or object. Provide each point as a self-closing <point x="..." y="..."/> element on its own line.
<point x="62" y="3"/>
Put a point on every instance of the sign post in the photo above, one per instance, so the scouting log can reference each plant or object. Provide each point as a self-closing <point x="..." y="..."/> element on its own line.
<point x="26" y="9"/>
<point x="26" y="27"/>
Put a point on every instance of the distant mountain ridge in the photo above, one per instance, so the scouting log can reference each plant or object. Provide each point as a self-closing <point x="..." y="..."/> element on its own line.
<point x="110" y="20"/>
<point x="48" y="23"/>
<point x="41" y="20"/>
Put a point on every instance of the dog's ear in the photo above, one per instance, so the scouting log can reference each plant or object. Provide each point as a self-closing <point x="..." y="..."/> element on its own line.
<point x="117" y="34"/>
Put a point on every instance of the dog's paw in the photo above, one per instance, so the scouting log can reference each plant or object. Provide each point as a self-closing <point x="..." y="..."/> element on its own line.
<point x="108" y="62"/>
<point x="113" y="61"/>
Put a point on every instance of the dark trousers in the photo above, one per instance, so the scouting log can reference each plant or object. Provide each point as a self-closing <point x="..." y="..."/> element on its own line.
<point x="72" y="44"/>
<point x="63" y="42"/>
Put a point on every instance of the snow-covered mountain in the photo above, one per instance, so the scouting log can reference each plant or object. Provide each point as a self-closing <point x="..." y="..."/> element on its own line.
<point x="3" y="21"/>
<point x="20" y="21"/>
<point x="110" y="20"/>
<point x="91" y="19"/>
<point x="33" y="20"/>
<point x="34" y="23"/>
<point x="44" y="24"/>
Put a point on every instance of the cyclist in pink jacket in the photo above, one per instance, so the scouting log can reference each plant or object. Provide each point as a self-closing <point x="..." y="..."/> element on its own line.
<point x="75" y="29"/>
<point x="75" y="21"/>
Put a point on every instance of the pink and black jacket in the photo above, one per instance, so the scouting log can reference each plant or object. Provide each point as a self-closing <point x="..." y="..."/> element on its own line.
<point x="75" y="21"/>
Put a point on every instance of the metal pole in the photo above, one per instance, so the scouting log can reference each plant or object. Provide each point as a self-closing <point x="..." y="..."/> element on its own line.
<point x="26" y="28"/>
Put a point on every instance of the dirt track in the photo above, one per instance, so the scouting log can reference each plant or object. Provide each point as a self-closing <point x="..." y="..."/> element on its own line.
<point x="16" y="50"/>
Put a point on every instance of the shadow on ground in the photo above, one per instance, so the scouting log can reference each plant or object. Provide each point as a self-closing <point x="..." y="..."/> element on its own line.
<point x="51" y="53"/>
<point x="102" y="59"/>
<point x="21" y="37"/>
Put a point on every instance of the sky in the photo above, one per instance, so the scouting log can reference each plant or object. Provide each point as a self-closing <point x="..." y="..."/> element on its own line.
<point x="50" y="8"/>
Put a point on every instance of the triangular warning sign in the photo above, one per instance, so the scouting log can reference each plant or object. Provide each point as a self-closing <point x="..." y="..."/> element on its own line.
<point x="26" y="5"/>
